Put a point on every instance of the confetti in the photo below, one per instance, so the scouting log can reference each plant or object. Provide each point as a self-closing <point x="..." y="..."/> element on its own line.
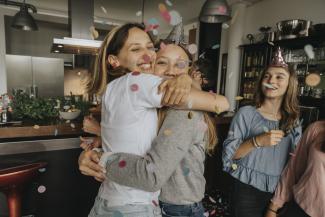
<point x="168" y="132"/>
<point x="169" y="3"/>
<point x="135" y="73"/>
<point x="175" y="18"/>
<point x="36" y="127"/>
<point x="134" y="87"/>
<point x="66" y="107"/>
<point x="309" y="50"/>
<point x="230" y="75"/>
<point x="202" y="55"/>
<point x="213" y="212"/>
<point x="122" y="163"/>
<point x="265" y="129"/>
<point x="42" y="170"/>
<point x="103" y="9"/>
<point x="138" y="13"/>
<point x="217" y="110"/>
<point x="186" y="171"/>
<point x="225" y="25"/>
<point x="181" y="64"/>
<point x="164" y="12"/>
<point x="151" y="167"/>
<point x="190" y="115"/>
<point x="202" y="126"/>
<point x="155" y="203"/>
<point x="238" y="98"/>
<point x="192" y="48"/>
<point x="117" y="214"/>
<point x="206" y="214"/>
<point x="234" y="166"/>
<point x="292" y="154"/>
<point x="155" y="32"/>
<point x="190" y="104"/>
<point x="212" y="200"/>
<point x="216" y="46"/>
<point x="41" y="189"/>
<point x="146" y="58"/>
<point x="56" y="131"/>
<point x="72" y="125"/>
<point x="231" y="133"/>
<point x="222" y="10"/>
<point x="67" y="121"/>
<point x="162" y="46"/>
<point x="271" y="43"/>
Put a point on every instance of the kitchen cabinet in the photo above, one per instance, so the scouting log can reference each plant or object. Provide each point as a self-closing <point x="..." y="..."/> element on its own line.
<point x="24" y="72"/>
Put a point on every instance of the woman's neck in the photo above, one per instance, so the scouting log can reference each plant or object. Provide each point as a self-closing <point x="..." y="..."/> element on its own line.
<point x="271" y="108"/>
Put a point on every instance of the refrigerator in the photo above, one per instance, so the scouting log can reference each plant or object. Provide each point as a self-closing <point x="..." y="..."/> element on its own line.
<point x="25" y="72"/>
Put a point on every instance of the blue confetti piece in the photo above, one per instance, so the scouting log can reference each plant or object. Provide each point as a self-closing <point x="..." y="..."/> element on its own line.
<point x="186" y="171"/>
<point x="265" y="129"/>
<point x="153" y="21"/>
<point x="117" y="214"/>
<point x="216" y="46"/>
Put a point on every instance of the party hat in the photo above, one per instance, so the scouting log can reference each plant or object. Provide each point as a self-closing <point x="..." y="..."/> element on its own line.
<point x="177" y="34"/>
<point x="277" y="60"/>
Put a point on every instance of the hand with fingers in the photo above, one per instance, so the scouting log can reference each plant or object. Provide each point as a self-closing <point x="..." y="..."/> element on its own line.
<point x="270" y="138"/>
<point x="197" y="79"/>
<point x="88" y="143"/>
<point x="89" y="165"/>
<point x="270" y="214"/>
<point x="91" y="125"/>
<point x="176" y="90"/>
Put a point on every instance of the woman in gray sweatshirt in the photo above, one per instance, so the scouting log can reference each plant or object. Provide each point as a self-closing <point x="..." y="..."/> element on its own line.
<point x="175" y="162"/>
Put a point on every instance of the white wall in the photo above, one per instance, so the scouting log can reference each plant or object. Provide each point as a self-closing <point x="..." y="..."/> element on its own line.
<point x="3" y="74"/>
<point x="269" y="12"/>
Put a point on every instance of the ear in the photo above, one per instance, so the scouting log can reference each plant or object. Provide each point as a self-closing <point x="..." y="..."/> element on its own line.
<point x="113" y="61"/>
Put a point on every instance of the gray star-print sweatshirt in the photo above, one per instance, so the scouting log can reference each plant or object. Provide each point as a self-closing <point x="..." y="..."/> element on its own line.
<point x="174" y="164"/>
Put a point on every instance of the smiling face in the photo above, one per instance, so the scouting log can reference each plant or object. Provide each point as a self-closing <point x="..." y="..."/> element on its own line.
<point x="275" y="82"/>
<point x="171" y="61"/>
<point x="137" y="53"/>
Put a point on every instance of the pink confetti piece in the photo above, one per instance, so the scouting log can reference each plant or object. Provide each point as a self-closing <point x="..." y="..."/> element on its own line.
<point x="135" y="73"/>
<point x="292" y="154"/>
<point x="213" y="212"/>
<point x="122" y="163"/>
<point x="155" y="203"/>
<point x="134" y="87"/>
<point x="163" y="46"/>
<point x="166" y="16"/>
<point x="222" y="9"/>
<point x="146" y="58"/>
<point x="206" y="214"/>
<point x="41" y="189"/>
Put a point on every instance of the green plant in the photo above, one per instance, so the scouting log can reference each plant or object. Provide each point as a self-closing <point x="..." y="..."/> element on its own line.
<point x="42" y="109"/>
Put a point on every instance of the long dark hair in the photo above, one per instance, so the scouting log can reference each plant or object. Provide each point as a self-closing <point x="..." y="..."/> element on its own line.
<point x="290" y="107"/>
<point x="103" y="72"/>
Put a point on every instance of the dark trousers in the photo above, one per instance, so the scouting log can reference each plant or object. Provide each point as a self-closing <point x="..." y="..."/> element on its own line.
<point x="294" y="210"/>
<point x="247" y="201"/>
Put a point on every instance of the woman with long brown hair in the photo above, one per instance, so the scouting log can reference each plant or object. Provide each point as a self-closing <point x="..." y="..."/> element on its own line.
<point x="260" y="139"/>
<point x="129" y="117"/>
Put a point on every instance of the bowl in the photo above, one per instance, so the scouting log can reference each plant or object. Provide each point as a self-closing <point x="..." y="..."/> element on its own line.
<point x="293" y="27"/>
<point x="70" y="115"/>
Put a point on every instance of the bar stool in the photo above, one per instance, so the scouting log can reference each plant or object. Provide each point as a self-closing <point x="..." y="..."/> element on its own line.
<point x="11" y="182"/>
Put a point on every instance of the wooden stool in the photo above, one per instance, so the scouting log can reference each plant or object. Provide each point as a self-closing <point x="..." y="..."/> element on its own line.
<point x="11" y="182"/>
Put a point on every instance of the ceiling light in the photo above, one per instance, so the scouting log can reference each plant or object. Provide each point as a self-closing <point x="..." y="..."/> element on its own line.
<point x="215" y="11"/>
